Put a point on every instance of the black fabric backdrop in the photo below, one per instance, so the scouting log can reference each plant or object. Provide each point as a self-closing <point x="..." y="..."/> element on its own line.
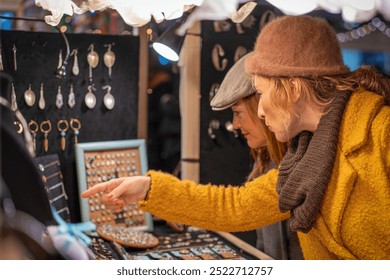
<point x="226" y="160"/>
<point x="37" y="60"/>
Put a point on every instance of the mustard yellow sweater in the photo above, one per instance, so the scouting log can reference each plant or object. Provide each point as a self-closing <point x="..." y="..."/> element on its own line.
<point x="354" y="222"/>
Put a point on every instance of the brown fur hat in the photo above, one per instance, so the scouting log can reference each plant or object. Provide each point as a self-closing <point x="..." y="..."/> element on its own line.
<point x="296" y="46"/>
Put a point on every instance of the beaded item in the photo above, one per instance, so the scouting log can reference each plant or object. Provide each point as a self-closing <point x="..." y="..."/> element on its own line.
<point x="127" y="237"/>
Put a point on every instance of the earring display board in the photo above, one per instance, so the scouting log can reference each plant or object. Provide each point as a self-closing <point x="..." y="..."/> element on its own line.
<point x="101" y="161"/>
<point x="222" y="147"/>
<point x="97" y="99"/>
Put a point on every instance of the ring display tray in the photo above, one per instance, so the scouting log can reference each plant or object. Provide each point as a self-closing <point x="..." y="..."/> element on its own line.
<point x="192" y="244"/>
<point x="98" y="162"/>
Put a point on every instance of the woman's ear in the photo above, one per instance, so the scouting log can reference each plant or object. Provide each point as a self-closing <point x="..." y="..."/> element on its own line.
<point x="296" y="92"/>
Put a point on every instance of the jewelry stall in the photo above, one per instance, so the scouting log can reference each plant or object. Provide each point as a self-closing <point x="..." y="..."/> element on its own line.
<point x="84" y="127"/>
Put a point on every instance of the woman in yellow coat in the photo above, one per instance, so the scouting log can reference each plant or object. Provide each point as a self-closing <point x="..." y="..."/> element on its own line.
<point x="333" y="183"/>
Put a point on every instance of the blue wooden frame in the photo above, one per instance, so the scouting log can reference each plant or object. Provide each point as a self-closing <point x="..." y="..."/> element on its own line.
<point x="81" y="148"/>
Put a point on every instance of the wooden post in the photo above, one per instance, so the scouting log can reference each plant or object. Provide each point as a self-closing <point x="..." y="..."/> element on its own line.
<point x="142" y="131"/>
<point x="190" y="103"/>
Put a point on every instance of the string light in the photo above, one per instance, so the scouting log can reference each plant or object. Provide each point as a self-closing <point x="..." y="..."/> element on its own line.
<point x="362" y="31"/>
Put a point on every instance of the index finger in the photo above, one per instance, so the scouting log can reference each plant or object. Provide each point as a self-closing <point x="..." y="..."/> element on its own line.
<point x="102" y="187"/>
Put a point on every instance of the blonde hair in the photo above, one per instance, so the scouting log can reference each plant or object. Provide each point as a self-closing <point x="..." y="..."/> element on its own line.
<point x="321" y="90"/>
<point x="274" y="151"/>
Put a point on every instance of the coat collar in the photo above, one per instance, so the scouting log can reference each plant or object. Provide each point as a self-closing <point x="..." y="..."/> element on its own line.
<point x="358" y="115"/>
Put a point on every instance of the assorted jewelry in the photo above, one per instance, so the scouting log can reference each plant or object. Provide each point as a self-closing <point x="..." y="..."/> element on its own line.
<point x="59" y="98"/>
<point x="41" y="102"/>
<point x="45" y="128"/>
<point x="29" y="96"/>
<point x="75" y="67"/>
<point x="102" y="250"/>
<point x="75" y="125"/>
<point x="63" y="126"/>
<point x="127" y="237"/>
<point x="195" y="244"/>
<point x="33" y="127"/>
<point x="102" y="166"/>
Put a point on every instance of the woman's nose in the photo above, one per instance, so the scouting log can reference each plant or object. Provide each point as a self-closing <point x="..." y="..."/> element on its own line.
<point x="260" y="111"/>
<point x="236" y="123"/>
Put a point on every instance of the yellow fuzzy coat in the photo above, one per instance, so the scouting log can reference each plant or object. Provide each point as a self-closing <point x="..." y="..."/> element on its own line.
<point x="354" y="222"/>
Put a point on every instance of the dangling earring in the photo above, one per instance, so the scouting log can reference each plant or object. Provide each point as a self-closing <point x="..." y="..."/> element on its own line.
<point x="109" y="59"/>
<point x="109" y="100"/>
<point x="14" y="104"/>
<point x="75" y="68"/>
<point x="71" y="97"/>
<point x="59" y="98"/>
<point x="41" y="103"/>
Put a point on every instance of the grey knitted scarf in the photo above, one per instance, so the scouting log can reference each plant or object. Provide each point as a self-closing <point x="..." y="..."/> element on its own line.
<point x="307" y="167"/>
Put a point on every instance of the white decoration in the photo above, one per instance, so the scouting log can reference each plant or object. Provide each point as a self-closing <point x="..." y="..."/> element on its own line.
<point x="137" y="13"/>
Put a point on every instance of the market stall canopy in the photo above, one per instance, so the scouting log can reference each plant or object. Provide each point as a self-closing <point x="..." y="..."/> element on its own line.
<point x="137" y="13"/>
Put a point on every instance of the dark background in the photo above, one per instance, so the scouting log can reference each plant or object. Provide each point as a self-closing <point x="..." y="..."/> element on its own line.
<point x="226" y="160"/>
<point x="37" y="60"/>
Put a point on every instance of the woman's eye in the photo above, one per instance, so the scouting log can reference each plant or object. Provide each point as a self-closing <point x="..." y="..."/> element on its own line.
<point x="237" y="114"/>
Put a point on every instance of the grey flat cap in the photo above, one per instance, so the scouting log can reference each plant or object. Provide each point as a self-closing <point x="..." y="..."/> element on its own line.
<point x="236" y="85"/>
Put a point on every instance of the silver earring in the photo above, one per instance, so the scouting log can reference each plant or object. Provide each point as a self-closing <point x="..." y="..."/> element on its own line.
<point x="59" y="98"/>
<point x="15" y="60"/>
<point x="109" y="59"/>
<point x="14" y="104"/>
<point x="75" y="68"/>
<point x="71" y="97"/>
<point x="41" y="103"/>
<point x="108" y="99"/>
<point x="29" y="96"/>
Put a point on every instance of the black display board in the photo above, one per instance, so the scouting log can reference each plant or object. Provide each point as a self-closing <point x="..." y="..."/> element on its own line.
<point x="37" y="55"/>
<point x="226" y="159"/>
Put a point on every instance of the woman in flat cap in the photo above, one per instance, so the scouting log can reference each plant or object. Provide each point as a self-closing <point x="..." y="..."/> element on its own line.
<point x="236" y="92"/>
<point x="334" y="181"/>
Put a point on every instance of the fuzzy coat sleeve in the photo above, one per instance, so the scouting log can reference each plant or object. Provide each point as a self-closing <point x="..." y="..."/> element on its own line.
<point x="213" y="207"/>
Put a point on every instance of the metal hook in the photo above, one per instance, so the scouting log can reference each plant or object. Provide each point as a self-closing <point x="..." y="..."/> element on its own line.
<point x="108" y="87"/>
<point x="91" y="87"/>
<point x="74" y="52"/>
